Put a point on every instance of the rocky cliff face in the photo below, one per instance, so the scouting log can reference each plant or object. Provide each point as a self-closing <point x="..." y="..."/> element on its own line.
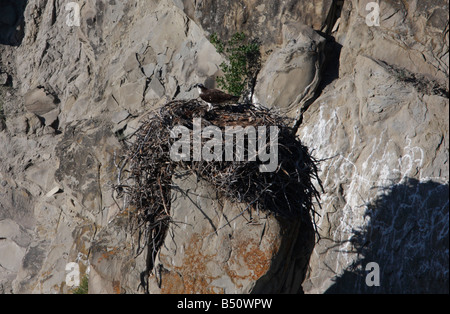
<point x="370" y="101"/>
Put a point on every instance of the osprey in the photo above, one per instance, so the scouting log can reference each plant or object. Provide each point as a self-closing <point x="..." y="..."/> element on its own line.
<point x="215" y="96"/>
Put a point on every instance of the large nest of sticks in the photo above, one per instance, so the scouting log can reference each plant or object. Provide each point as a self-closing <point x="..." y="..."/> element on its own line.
<point x="145" y="172"/>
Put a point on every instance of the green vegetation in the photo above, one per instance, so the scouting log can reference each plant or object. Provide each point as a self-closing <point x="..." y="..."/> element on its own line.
<point x="83" y="287"/>
<point x="244" y="63"/>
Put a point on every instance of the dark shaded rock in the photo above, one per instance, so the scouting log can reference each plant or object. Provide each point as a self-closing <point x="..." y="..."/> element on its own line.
<point x="257" y="18"/>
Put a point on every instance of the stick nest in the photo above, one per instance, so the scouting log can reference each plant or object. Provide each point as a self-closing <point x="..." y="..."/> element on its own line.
<point x="146" y="169"/>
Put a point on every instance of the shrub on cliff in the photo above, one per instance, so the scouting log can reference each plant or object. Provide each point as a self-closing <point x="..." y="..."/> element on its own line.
<point x="244" y="63"/>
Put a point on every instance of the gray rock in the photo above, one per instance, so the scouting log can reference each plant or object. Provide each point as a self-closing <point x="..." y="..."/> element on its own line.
<point x="379" y="125"/>
<point x="233" y="256"/>
<point x="120" y="116"/>
<point x="51" y="118"/>
<point x="11" y="256"/>
<point x="259" y="19"/>
<point x="210" y="248"/>
<point x="17" y="125"/>
<point x="291" y="74"/>
<point x="155" y="90"/>
<point x="39" y="102"/>
<point x="2" y="125"/>
<point x="149" y="69"/>
<point x="131" y="95"/>
<point x="34" y="123"/>
<point x="383" y="136"/>
<point x="3" y="78"/>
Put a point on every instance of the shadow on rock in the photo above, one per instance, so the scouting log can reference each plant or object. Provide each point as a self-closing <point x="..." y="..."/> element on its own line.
<point x="12" y="23"/>
<point x="289" y="266"/>
<point x="407" y="238"/>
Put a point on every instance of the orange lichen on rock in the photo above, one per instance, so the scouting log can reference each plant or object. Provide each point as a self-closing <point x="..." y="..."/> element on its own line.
<point x="107" y="255"/>
<point x="172" y="283"/>
<point x="116" y="287"/>
<point x="196" y="274"/>
<point x="192" y="276"/>
<point x="253" y="258"/>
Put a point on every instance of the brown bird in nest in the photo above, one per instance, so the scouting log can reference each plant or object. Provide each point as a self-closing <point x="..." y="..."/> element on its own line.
<point x="214" y="96"/>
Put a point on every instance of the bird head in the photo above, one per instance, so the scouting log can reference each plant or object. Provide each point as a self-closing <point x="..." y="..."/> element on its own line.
<point x="199" y="85"/>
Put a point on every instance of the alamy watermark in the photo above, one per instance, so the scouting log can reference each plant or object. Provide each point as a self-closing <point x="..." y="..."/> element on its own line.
<point x="217" y="149"/>
<point x="373" y="17"/>
<point x="73" y="16"/>
<point x="73" y="270"/>
<point x="73" y="275"/>
<point x="373" y="277"/>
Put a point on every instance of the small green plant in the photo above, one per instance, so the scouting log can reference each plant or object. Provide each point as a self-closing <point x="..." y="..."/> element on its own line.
<point x="244" y="63"/>
<point x="83" y="287"/>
